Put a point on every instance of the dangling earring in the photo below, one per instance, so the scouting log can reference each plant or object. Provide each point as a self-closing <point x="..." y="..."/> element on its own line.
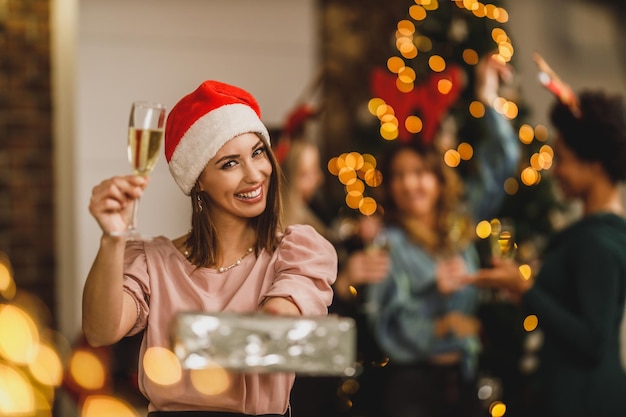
<point x="199" y="203"/>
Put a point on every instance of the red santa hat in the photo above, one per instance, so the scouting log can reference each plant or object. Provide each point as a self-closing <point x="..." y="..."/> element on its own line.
<point x="202" y="122"/>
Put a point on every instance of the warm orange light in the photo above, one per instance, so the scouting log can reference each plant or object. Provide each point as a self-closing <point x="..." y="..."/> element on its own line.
<point x="477" y="109"/>
<point x="437" y="63"/>
<point x="395" y="64"/>
<point x="213" y="380"/>
<point x="531" y="322"/>
<point x="87" y="370"/>
<point x="47" y="367"/>
<point x="444" y="86"/>
<point x="373" y="178"/>
<point x="470" y="57"/>
<point x="511" y="186"/>
<point x="374" y="104"/>
<point x="413" y="124"/>
<point x="417" y="12"/>
<point x="367" y="206"/>
<point x="483" y="229"/>
<point x="19" y="335"/>
<point x="529" y="176"/>
<point x="162" y="366"/>
<point x="389" y="131"/>
<point x="452" y="158"/>
<point x="17" y="397"/>
<point x="465" y="151"/>
<point x="353" y="199"/>
<point x="526" y="133"/>
<point x="105" y="406"/>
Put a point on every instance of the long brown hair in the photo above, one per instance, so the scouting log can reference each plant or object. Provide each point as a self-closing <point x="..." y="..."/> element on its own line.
<point x="452" y="225"/>
<point x="203" y="239"/>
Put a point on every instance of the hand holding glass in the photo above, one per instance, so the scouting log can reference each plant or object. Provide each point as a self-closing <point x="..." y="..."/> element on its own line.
<point x="145" y="135"/>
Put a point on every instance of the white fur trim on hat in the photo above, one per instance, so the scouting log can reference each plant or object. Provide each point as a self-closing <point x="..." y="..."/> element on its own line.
<point x="206" y="136"/>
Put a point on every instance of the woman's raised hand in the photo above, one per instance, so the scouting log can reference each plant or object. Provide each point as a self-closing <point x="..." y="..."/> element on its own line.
<point x="111" y="201"/>
<point x="489" y="73"/>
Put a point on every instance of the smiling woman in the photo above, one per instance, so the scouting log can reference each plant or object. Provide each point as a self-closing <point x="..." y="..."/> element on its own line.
<point x="235" y="257"/>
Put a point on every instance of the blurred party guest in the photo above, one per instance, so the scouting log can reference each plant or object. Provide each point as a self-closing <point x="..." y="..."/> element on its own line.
<point x="422" y="315"/>
<point x="303" y="178"/>
<point x="235" y="258"/>
<point x="578" y="293"/>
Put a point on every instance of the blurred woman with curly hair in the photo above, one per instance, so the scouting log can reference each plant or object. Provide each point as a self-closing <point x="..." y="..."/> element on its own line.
<point x="578" y="294"/>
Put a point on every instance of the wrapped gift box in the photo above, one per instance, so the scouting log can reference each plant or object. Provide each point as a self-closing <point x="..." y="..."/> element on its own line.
<point x="259" y="342"/>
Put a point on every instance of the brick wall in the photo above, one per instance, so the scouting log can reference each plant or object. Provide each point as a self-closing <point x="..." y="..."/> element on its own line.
<point x="26" y="182"/>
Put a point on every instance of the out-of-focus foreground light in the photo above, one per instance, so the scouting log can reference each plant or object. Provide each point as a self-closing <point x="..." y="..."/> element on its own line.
<point x="105" y="406"/>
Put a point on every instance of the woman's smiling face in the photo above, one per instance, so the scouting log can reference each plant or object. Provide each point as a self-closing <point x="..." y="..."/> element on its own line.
<point x="237" y="178"/>
<point x="414" y="188"/>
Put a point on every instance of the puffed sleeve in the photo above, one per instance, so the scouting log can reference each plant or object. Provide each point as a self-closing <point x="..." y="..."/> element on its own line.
<point x="305" y="269"/>
<point x="136" y="282"/>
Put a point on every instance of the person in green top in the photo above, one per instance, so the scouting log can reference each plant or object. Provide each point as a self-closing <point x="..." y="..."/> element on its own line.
<point x="578" y="293"/>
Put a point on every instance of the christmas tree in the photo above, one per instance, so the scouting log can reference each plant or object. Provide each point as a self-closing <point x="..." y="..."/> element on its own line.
<point x="400" y="72"/>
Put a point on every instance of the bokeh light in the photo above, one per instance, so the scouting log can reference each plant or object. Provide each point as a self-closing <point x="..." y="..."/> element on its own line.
<point x="511" y="186"/>
<point x="452" y="158"/>
<point x="353" y="199"/>
<point x="444" y="86"/>
<point x="465" y="150"/>
<point x="19" y="335"/>
<point x="6" y="273"/>
<point x="423" y="43"/>
<point x="347" y="175"/>
<point x="367" y="206"/>
<point x="526" y="271"/>
<point x="106" y="406"/>
<point x="373" y="178"/>
<point x="483" y="229"/>
<point x="87" y="370"/>
<point x="541" y="133"/>
<point x="497" y="409"/>
<point x="531" y="322"/>
<point x="162" y="366"/>
<point x="212" y="380"/>
<point x="470" y="57"/>
<point x="530" y="176"/>
<point x="17" y="397"/>
<point x="477" y="109"/>
<point x="394" y="64"/>
<point x="417" y="12"/>
<point x="526" y="134"/>
<point x="413" y="124"/>
<point x="47" y="368"/>
<point x="437" y="63"/>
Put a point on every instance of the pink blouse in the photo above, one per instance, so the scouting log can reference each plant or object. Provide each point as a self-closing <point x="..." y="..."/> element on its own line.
<point x="163" y="283"/>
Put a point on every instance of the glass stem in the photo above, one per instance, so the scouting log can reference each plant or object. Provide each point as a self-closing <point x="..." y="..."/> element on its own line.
<point x="133" y="220"/>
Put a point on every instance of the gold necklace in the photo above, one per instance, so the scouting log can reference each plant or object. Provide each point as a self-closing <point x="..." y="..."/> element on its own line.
<point x="222" y="269"/>
<point x="236" y="263"/>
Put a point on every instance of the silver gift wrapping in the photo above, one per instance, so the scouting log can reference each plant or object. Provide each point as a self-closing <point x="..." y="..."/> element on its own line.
<point x="259" y="342"/>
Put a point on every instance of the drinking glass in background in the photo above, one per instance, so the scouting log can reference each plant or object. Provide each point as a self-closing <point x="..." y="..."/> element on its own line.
<point x="145" y="136"/>
<point x="502" y="239"/>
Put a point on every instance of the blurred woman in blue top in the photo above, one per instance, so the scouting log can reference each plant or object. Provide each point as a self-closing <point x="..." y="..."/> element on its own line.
<point x="423" y="315"/>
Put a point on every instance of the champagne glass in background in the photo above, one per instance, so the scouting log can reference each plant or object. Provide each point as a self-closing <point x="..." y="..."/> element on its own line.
<point x="502" y="239"/>
<point x="145" y="135"/>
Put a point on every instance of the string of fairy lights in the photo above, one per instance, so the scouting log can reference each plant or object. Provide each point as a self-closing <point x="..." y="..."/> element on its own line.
<point x="358" y="171"/>
<point x="355" y="170"/>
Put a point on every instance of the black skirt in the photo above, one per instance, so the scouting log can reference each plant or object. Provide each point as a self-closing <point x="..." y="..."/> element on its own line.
<point x="207" y="414"/>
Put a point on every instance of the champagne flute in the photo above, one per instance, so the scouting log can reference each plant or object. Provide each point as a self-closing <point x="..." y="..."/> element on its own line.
<point x="145" y="135"/>
<point x="502" y="239"/>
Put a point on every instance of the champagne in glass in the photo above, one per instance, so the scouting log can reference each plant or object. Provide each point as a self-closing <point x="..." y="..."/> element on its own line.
<point x="143" y="149"/>
<point x="145" y="135"/>
<point x="502" y="239"/>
